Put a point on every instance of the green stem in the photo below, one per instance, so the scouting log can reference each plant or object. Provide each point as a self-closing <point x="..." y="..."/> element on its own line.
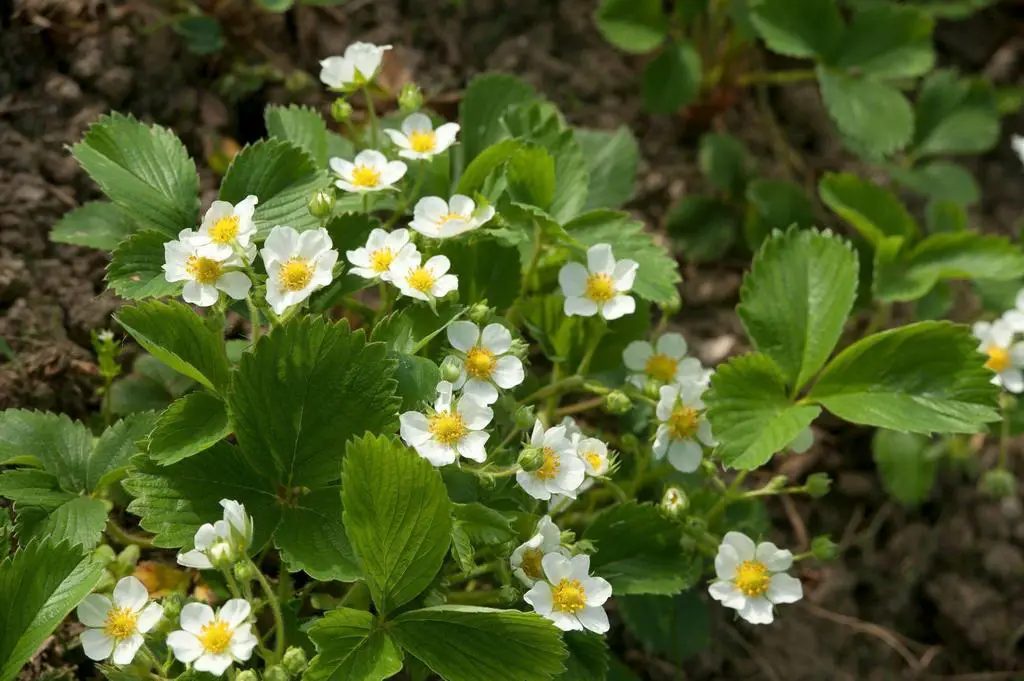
<point x="371" y="112"/>
<point x="552" y="403"/>
<point x="254" y="320"/>
<point x="592" y="348"/>
<point x="504" y="443"/>
<point x="564" y="384"/>
<point x="493" y="473"/>
<point x="776" y="77"/>
<point x="1004" y="431"/>
<point x="236" y="592"/>
<point x="585" y="405"/>
<point x="275" y="607"/>
<point x="366" y="203"/>
<point x="769" y="491"/>
<point x="727" y="498"/>
<point x="125" y="538"/>
<point x="364" y="310"/>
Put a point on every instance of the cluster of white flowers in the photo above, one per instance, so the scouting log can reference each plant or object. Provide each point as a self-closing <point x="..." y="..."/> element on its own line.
<point x="1005" y="354"/>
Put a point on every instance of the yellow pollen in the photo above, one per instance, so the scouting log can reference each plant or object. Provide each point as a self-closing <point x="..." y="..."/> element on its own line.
<point x="549" y="469"/>
<point x="600" y="288"/>
<point x="295" y="274"/>
<point x="203" y="270"/>
<point x="569" y="596"/>
<point x="662" y="368"/>
<point x="448" y="217"/>
<point x="532" y="563"/>
<point x="421" y="279"/>
<point x="447" y="427"/>
<point x="381" y="259"/>
<point x="682" y="423"/>
<point x="365" y="176"/>
<point x="480" y="362"/>
<point x="120" y="623"/>
<point x="224" y="230"/>
<point x="422" y="141"/>
<point x="215" y="637"/>
<point x="594" y="459"/>
<point x="998" y="358"/>
<point x="752" y="578"/>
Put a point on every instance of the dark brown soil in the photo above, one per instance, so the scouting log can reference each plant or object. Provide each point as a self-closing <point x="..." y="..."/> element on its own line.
<point x="932" y="593"/>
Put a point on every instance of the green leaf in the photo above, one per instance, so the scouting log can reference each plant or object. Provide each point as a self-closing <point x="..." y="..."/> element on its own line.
<point x="96" y="224"/>
<point x="312" y="538"/>
<point x="487" y="270"/>
<point x="485" y="100"/>
<point x="907" y="464"/>
<point x="191" y="425"/>
<point x="571" y="175"/>
<point x="398" y="517"/>
<point x="639" y="552"/>
<point x="875" y="116"/>
<point x="276" y="5"/>
<point x="530" y="174"/>
<point x="412" y="327"/>
<point x="673" y="79"/>
<point x="152" y="385"/>
<point x="751" y="412"/>
<point x="39" y="586"/>
<point x="462" y="643"/>
<point x="723" y="160"/>
<point x="491" y="159"/>
<point x="612" y="158"/>
<point x="796" y="298"/>
<point x="940" y="180"/>
<point x="482" y="524"/>
<point x="145" y="170"/>
<point x="44" y="511"/>
<point x="775" y="204"/>
<point x="53" y="441"/>
<point x="798" y="28"/>
<point x="300" y="125"/>
<point x="967" y="255"/>
<point x="350" y="648"/>
<point x="636" y="26"/>
<point x="887" y="41"/>
<point x="673" y="628"/>
<point x="417" y="381"/>
<point x="893" y="279"/>
<point x="283" y="176"/>
<point x="946" y="216"/>
<point x="873" y="211"/>
<point x="179" y="338"/>
<point x="935" y="304"/>
<point x="136" y="267"/>
<point x="115" y="448"/>
<point x="955" y="116"/>
<point x="922" y="378"/>
<point x="588" y="657"/>
<point x="703" y="227"/>
<point x="202" y="34"/>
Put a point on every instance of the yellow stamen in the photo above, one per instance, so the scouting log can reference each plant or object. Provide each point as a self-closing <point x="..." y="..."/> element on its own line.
<point x="381" y="259"/>
<point x="447" y="427"/>
<point x="683" y="422"/>
<point x="295" y="274"/>
<point x="998" y="358"/>
<point x="203" y="270"/>
<point x="365" y="176"/>
<point x="752" y="578"/>
<point x="549" y="469"/>
<point x="662" y="368"/>
<point x="569" y="596"/>
<point x="120" y="624"/>
<point x="593" y="459"/>
<point x="421" y="279"/>
<point x="224" y="230"/>
<point x="480" y="362"/>
<point x="215" y="637"/>
<point x="422" y="141"/>
<point x="448" y="217"/>
<point x="532" y="563"/>
<point x="600" y="288"/>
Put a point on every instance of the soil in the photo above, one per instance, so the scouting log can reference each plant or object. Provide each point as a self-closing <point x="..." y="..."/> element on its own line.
<point x="936" y="592"/>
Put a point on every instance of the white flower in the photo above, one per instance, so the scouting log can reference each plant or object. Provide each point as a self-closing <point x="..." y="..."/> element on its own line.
<point x="570" y="597"/>
<point x="369" y="171"/>
<point x="427" y="281"/>
<point x="594" y="455"/>
<point x="561" y="472"/>
<point x="210" y="641"/>
<point x="297" y="264"/>
<point x="1005" y="357"/>
<point x="382" y="254"/>
<point x="1017" y="142"/>
<point x="1015" y="317"/>
<point x="572" y="429"/>
<point x="753" y="579"/>
<point x="205" y="277"/>
<point x="450" y="432"/>
<point x="419" y="140"/>
<point x="665" y="362"/>
<point x="358" y="65"/>
<point x="221" y="542"/>
<point x="225" y="225"/>
<point x="484" y="360"/>
<point x="600" y="287"/>
<point x="116" y="627"/>
<point x="526" y="559"/>
<point x="439" y="219"/>
<point x="683" y="423"/>
<point x="560" y="503"/>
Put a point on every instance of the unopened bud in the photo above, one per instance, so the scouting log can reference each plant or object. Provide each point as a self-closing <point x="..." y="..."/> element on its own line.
<point x="275" y="673"/>
<point x="321" y="205"/>
<point x="824" y="548"/>
<point x="294" y="661"/>
<point x="671" y="307"/>
<point x="245" y="572"/>
<point x="526" y="416"/>
<point x="341" y="110"/>
<point x="674" y="502"/>
<point x="246" y="675"/>
<point x="127" y="559"/>
<point x="451" y="369"/>
<point x="410" y="98"/>
<point x="297" y="81"/>
<point x="519" y="348"/>
<point x="480" y="313"/>
<point x="617" y="402"/>
<point x="629" y="443"/>
<point x="105" y="554"/>
<point x="221" y="555"/>
<point x="818" y="485"/>
<point x="531" y="458"/>
<point x="172" y="604"/>
<point x="777" y="483"/>
<point x="652" y="388"/>
<point x="107" y="581"/>
<point x="998" y="484"/>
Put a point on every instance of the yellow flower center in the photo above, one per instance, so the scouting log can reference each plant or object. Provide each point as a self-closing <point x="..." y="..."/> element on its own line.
<point x="203" y="270"/>
<point x="682" y="423"/>
<point x="421" y="279"/>
<point x="480" y="362"/>
<point x="448" y="217"/>
<point x="447" y="427"/>
<point x="752" y="578"/>
<point x="215" y="637"/>
<point x="120" y="623"/>
<point x="365" y="176"/>
<point x="549" y="469"/>
<point x="224" y="230"/>
<point x="422" y="141"/>
<point x="593" y="459"/>
<point x="998" y="358"/>
<point x="569" y="596"/>
<point x="600" y="288"/>
<point x="380" y="260"/>
<point x="532" y="563"/>
<point x="295" y="274"/>
<point x="662" y="368"/>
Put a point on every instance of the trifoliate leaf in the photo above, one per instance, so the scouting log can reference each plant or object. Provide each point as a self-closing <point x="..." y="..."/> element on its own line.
<point x="490" y="160"/>
<point x="940" y="180"/>
<point x="191" y="425"/>
<point x="145" y="170"/>
<point x="487" y="270"/>
<point x="673" y="79"/>
<point x="43" y="510"/>
<point x="935" y="304"/>
<point x="482" y="524"/>
<point x="572" y="178"/>
<point x="612" y="158"/>
<point x="922" y="378"/>
<point x="798" y="28"/>
<point x="875" y="116"/>
<point x="323" y="384"/>
<point x="283" y="175"/>
<point x="39" y="586"/>
<point x="136" y="267"/>
<point x="179" y="338"/>
<point x="887" y="41"/>
<point x="350" y="647"/>
<point x="588" y="657"/>
<point x="703" y="228"/>
<point x="462" y="643"/>
<point x="636" y="26"/>
<point x="96" y="224"/>
<point x="674" y="628"/>
<point x="152" y="385"/>
<point x="52" y="441"/>
<point x="775" y="204"/>
<point x="398" y="518"/>
<point x="312" y="538"/>
<point x="723" y="161"/>
<point x="873" y="211"/>
<point x="955" y="115"/>
<point x="751" y="412"/>
<point x="115" y="448"/>
<point x="485" y="100"/>
<point x="538" y="121"/>
<point x="796" y="298"/>
<point x="907" y="464"/>
<point x="530" y="173"/>
<point x="968" y="255"/>
<point x="892" y="278"/>
<point x="300" y="125"/>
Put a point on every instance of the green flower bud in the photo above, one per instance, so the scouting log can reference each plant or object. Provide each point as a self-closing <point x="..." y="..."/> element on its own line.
<point x="107" y="582"/>
<point x="480" y="313"/>
<point x="321" y="205"/>
<point x="652" y="388"/>
<point x="998" y="484"/>
<point x="674" y="502"/>
<point x="617" y="402"/>
<point x="247" y="675"/>
<point x="451" y="369"/>
<point x="245" y="572"/>
<point x="341" y="110"/>
<point x="818" y="485"/>
<point x="105" y="554"/>
<point x="525" y="417"/>
<point x="297" y="81"/>
<point x="294" y="661"/>
<point x="275" y="673"/>
<point x="629" y="443"/>
<point x="777" y="483"/>
<point x="824" y="548"/>
<point x="531" y="458"/>
<point x="520" y="348"/>
<point x="410" y="98"/>
<point x="127" y="559"/>
<point x="670" y="308"/>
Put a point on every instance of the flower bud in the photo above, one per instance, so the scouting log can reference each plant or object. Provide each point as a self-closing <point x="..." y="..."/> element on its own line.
<point x="629" y="443"/>
<point x="617" y="402"/>
<point x="480" y="313"/>
<point x="531" y="458"/>
<point x="520" y="348"/>
<point x="247" y="675"/>
<point x="294" y="661"/>
<point x="671" y="307"/>
<point x="998" y="484"/>
<point x="824" y="548"/>
<point x="674" y="502"/>
<point x="341" y="110"/>
<point x="526" y="416"/>
<point x="451" y="369"/>
<point x="105" y="554"/>
<point x="275" y="673"/>
<point x="321" y="205"/>
<point x="245" y="572"/>
<point x="818" y="485"/>
<point x="297" y="81"/>
<point x="777" y="483"/>
<point x="221" y="555"/>
<point x="127" y="559"/>
<point x="652" y="388"/>
<point x="172" y="604"/>
<point x="107" y="582"/>
<point x="410" y="98"/>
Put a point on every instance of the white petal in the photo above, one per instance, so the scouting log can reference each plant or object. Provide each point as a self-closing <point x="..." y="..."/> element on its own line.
<point x="728" y="594"/>
<point x="417" y="122"/>
<point x="565" y="621"/>
<point x="445" y="136"/>
<point x="774" y="558"/>
<point x="533" y="486"/>
<point x="235" y="612"/>
<point x="540" y="598"/>
<point x="281" y="244"/>
<point x="685" y="455"/>
<point x="481" y="391"/>
<point x="463" y="335"/>
<point x="397" y="138"/>
<point x="474" y="413"/>
<point x="149" y="617"/>
<point x="445" y="285"/>
<point x="431" y="209"/>
<point x="757" y="611"/>
<point x="124" y="651"/>
<point x="496" y="338"/>
<point x="600" y="259"/>
<point x="557" y="567"/>
<point x="726" y="561"/>
<point x="199" y="294"/>
<point x="461" y="204"/>
<point x="1012" y="380"/>
<point x="397" y="239"/>
<point x="472" y="446"/>
<point x="572" y="278"/>
<point x="508" y="372"/>
<point x="571" y="473"/>
<point x="370" y="158"/>
<point x="215" y="664"/>
<point x="672" y="345"/>
<point x="704" y="433"/>
<point x="594" y="618"/>
<point x="598" y="590"/>
<point x="393" y="172"/>
<point x="130" y="593"/>
<point x="438" y="265"/>
<point x="436" y="453"/>
<point x="414" y="428"/>
<point x="96" y="644"/>
<point x="483" y="215"/>
<point x="582" y="307"/>
<point x="235" y="284"/>
<point x="342" y="167"/>
<point x="92" y="612"/>
<point x="580" y="567"/>
<point x="194" y="559"/>
<point x="619" y="306"/>
<point x="186" y="647"/>
<point x="624" y="275"/>
<point x="636" y="354"/>
<point x="784" y="589"/>
<point x="194" y="616"/>
<point x="741" y="543"/>
<point x="243" y="642"/>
